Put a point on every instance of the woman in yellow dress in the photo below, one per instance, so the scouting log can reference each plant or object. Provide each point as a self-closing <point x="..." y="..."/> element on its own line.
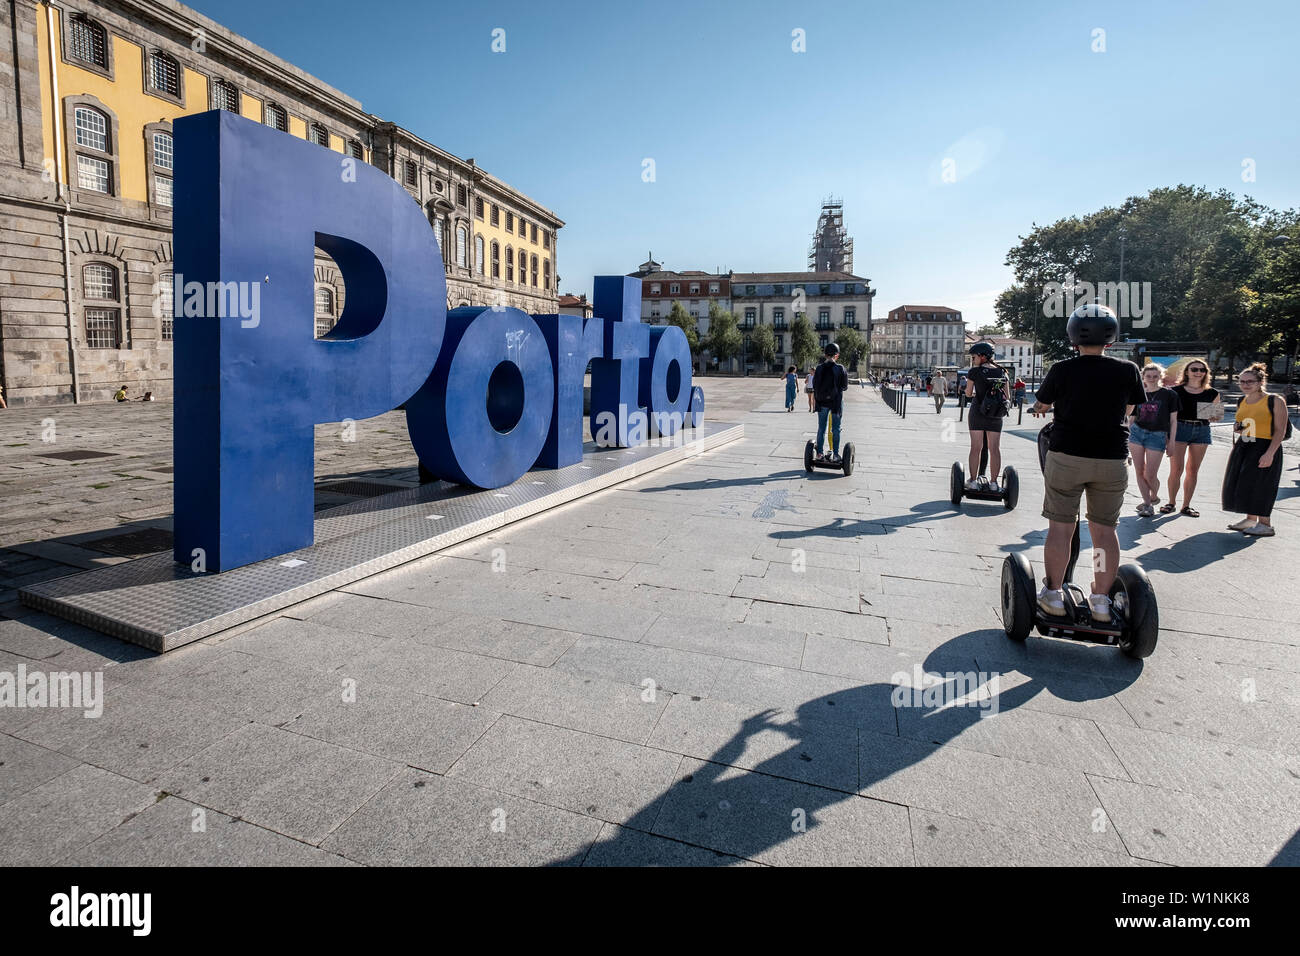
<point x="1255" y="466"/>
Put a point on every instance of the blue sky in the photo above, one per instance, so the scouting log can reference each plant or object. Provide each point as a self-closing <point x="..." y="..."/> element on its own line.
<point x="748" y="136"/>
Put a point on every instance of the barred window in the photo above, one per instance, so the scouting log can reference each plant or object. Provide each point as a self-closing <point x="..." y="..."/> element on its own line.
<point x="276" y="118"/>
<point x="164" y="74"/>
<point x="496" y="215"/>
<point x="162" y="150"/>
<point x="523" y="228"/>
<point x="319" y="135"/>
<point x="101" y="329"/>
<point x="88" y="42"/>
<point x="166" y="306"/>
<point x="92" y="128"/>
<point x="99" y="281"/>
<point x="510" y="222"/>
<point x="478" y="254"/>
<point x="462" y="247"/>
<point x="510" y="264"/>
<point x="225" y="96"/>
<point x="92" y="174"/>
<point x="355" y="150"/>
<point x="412" y="174"/>
<point x="163" y="190"/>
<point x="478" y="208"/>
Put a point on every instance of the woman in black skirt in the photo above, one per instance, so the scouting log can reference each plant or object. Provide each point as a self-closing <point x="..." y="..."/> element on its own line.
<point x="1255" y="465"/>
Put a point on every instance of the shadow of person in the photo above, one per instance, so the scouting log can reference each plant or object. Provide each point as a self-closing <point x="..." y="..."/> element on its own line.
<point x="1195" y="552"/>
<point x="781" y="787"/>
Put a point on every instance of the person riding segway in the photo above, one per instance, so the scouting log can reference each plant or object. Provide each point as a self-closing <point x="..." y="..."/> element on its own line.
<point x="986" y="390"/>
<point x="1084" y="450"/>
<point x="830" y="381"/>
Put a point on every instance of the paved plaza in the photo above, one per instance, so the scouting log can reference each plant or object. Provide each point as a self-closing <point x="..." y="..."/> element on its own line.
<point x="699" y="666"/>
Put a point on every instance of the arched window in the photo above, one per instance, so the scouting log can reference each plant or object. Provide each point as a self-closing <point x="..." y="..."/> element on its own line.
<point x="100" y="290"/>
<point x="225" y="96"/>
<point x="510" y="264"/>
<point x="546" y="273"/>
<point x="462" y="247"/>
<point x="164" y="73"/>
<point x="161" y="154"/>
<point x="87" y="42"/>
<point x="276" y="118"/>
<point x="439" y="227"/>
<point x="324" y="310"/>
<point x="320" y="135"/>
<point x="92" y="129"/>
<point x="478" y="254"/>
<point x="534" y="271"/>
<point x="496" y="260"/>
<point x="166" y="305"/>
<point x="355" y="150"/>
<point x="523" y="267"/>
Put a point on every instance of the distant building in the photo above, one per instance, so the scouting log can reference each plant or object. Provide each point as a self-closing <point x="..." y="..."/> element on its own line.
<point x="694" y="289"/>
<point x="832" y="249"/>
<point x="1015" y="355"/>
<point x="830" y="300"/>
<point x="918" y="337"/>
<point x="574" y="305"/>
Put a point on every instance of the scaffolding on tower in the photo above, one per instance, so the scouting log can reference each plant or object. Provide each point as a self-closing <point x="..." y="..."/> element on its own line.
<point x="832" y="249"/>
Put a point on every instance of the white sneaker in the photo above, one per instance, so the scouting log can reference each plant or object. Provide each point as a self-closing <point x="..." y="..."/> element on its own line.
<point x="993" y="486"/>
<point x="1099" y="604"/>
<point x="973" y="485"/>
<point x="1260" y="530"/>
<point x="1241" y="525"/>
<point x="1052" y="602"/>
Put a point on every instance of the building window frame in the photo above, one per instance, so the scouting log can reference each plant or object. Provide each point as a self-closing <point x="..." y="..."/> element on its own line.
<point x="156" y="173"/>
<point x="496" y="215"/>
<point x="220" y="86"/>
<point x="479" y="248"/>
<point x="356" y="150"/>
<point x="326" y="296"/>
<point x="148" y="55"/>
<point x="316" y="132"/>
<point x="106" y="308"/>
<point x="270" y="109"/>
<point x="532" y="272"/>
<point x="165" y="303"/>
<point x="496" y="259"/>
<point x="479" y="211"/>
<point x="462" y="246"/>
<point x="66" y="31"/>
<point x="111" y="155"/>
<point x="510" y="264"/>
<point x="523" y="267"/>
<point x="410" y="174"/>
<point x="546" y="239"/>
<point x="546" y="274"/>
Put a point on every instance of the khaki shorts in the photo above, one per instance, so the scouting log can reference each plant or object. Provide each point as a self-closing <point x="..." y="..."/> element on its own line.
<point x="1066" y="477"/>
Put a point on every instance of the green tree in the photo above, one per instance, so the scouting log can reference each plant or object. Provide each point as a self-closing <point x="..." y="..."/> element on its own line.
<point x="762" y="347"/>
<point x="803" y="343"/>
<point x="991" y="330"/>
<point x="679" y="317"/>
<point x="852" y="346"/>
<point x="723" y="339"/>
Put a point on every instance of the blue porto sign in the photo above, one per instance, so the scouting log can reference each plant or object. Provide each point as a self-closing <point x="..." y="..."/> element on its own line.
<point x="489" y="392"/>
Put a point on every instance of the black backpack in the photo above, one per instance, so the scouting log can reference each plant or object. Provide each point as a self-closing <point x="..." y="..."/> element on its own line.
<point x="1286" y="435"/>
<point x="996" y="404"/>
<point x="826" y="384"/>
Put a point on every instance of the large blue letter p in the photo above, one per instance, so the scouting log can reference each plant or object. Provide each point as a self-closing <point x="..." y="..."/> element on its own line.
<point x="251" y="378"/>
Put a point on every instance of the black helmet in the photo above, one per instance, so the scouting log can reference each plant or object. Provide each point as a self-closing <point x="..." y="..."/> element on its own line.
<point x="832" y="348"/>
<point x="982" y="348"/>
<point x="1092" y="324"/>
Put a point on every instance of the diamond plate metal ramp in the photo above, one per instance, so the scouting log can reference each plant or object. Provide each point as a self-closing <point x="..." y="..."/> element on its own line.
<point x="163" y="605"/>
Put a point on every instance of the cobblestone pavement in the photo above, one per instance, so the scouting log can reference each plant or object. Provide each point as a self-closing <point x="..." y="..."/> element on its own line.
<point x="700" y="666"/>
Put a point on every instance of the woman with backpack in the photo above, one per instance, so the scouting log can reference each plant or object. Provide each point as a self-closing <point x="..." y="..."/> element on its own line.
<point x="1255" y="465"/>
<point x="1150" y="435"/>
<point x="986" y="387"/>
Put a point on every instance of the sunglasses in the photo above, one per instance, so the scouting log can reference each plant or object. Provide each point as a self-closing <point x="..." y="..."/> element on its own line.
<point x="1198" y="371"/>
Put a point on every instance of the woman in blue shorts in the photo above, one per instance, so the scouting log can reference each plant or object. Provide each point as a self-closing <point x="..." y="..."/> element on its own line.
<point x="1192" y="434"/>
<point x="1149" y="436"/>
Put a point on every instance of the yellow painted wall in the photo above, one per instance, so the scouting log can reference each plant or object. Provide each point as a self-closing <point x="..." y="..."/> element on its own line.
<point x="297" y="127"/>
<point x="124" y="95"/>
<point x="483" y="227"/>
<point x="250" y="107"/>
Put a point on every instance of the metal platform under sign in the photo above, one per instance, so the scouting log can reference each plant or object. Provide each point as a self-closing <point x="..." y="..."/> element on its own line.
<point x="162" y="605"/>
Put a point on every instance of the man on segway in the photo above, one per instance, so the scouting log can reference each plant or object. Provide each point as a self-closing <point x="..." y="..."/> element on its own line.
<point x="1092" y="395"/>
<point x="987" y="385"/>
<point x="829" y="383"/>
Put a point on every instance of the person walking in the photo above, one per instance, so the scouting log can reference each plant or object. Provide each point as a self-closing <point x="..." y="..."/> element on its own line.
<point x="1255" y="465"/>
<point x="1019" y="391"/>
<point x="1198" y="405"/>
<point x="791" y="387"/>
<point x="808" y="390"/>
<point x="1150" y="434"/>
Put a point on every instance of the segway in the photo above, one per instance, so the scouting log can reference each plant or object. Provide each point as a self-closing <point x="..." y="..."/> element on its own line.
<point x="844" y="463"/>
<point x="1135" y="620"/>
<point x="1008" y="493"/>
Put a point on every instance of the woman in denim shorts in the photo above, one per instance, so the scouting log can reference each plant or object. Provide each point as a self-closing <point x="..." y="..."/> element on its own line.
<point x="1149" y="436"/>
<point x="1191" y="436"/>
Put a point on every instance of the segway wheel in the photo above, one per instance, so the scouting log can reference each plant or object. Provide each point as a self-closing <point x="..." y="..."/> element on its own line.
<point x="848" y="459"/>
<point x="1135" y="601"/>
<point x="957" y="485"/>
<point x="1017" y="596"/>
<point x="808" y="457"/>
<point x="1010" y="487"/>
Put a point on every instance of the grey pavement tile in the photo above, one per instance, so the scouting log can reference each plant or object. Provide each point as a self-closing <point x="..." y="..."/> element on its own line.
<point x="421" y="819"/>
<point x="591" y="704"/>
<point x="768" y="551"/>
<point x="804" y="590"/>
<point x="874" y="663"/>
<point x="781" y="744"/>
<point x="508" y="640"/>
<point x="720" y="638"/>
<point x="427" y="669"/>
<point x="138" y="734"/>
<point x="672" y="670"/>
<point x="941" y="840"/>
<point x="25" y="766"/>
<point x="294" y="785"/>
<point x="316" y="644"/>
<point x="1050" y="802"/>
<point x="780" y="822"/>
<point x="620" y="846"/>
<point x="611" y="780"/>
<point x="395" y="723"/>
<point x="45" y="825"/>
<point x="669" y="575"/>
<point x="524" y="553"/>
<point x="175" y="832"/>
<point x="1248" y="653"/>
<point x="816" y="620"/>
<point x="1189" y="829"/>
<point x="813" y="697"/>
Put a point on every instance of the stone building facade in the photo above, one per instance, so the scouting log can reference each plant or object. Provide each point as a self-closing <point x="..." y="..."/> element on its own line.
<point x="86" y="183"/>
<point x="916" y="338"/>
<point x="829" y="300"/>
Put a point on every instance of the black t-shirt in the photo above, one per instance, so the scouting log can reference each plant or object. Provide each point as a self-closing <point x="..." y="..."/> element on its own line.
<point x="1187" y="403"/>
<point x="1090" y="395"/>
<point x="981" y="375"/>
<point x="1153" y="412"/>
<point x="835" y="387"/>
